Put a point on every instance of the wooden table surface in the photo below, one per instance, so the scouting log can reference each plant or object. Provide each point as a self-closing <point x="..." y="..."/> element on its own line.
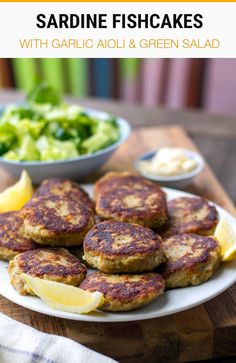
<point x="209" y="131"/>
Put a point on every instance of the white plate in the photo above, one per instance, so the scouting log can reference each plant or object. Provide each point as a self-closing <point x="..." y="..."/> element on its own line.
<point x="171" y="302"/>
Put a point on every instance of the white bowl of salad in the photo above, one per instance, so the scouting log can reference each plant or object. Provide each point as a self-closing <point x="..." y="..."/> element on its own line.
<point x="49" y="138"/>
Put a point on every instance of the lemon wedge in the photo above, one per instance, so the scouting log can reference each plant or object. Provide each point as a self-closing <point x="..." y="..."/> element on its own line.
<point x="16" y="196"/>
<point x="226" y="237"/>
<point x="64" y="297"/>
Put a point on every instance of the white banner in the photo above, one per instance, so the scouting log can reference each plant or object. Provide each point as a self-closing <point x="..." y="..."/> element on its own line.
<point x="110" y="30"/>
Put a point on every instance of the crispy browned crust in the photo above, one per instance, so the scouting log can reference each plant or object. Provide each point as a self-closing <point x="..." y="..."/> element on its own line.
<point x="64" y="187"/>
<point x="125" y="292"/>
<point x="190" y="215"/>
<point x="46" y="263"/>
<point x="128" y="197"/>
<point x="12" y="238"/>
<point x="119" y="247"/>
<point x="146" y="207"/>
<point x="190" y="259"/>
<point x="49" y="261"/>
<point x="114" y="238"/>
<point x="114" y="180"/>
<point x="48" y="211"/>
<point x="57" y="220"/>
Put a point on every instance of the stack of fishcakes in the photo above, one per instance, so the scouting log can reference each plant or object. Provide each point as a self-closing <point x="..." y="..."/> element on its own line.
<point x="126" y="255"/>
<point x="137" y="241"/>
<point x="192" y="253"/>
<point x="123" y="247"/>
<point x="59" y="214"/>
<point x="129" y="241"/>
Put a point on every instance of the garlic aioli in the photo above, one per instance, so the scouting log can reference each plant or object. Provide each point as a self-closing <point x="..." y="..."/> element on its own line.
<point x="168" y="162"/>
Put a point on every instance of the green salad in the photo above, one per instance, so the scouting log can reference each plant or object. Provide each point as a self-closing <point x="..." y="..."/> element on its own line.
<point x="46" y="129"/>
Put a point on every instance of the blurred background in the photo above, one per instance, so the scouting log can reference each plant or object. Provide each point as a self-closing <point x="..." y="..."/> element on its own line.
<point x="167" y="91"/>
<point x="208" y="84"/>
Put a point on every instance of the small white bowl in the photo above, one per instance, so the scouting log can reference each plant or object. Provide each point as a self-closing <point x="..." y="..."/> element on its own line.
<point x="174" y="181"/>
<point x="76" y="168"/>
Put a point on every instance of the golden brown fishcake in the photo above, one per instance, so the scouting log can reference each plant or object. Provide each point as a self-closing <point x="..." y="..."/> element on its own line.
<point x="128" y="197"/>
<point x="115" y="247"/>
<point x="190" y="215"/>
<point x="55" y="264"/>
<point x="190" y="259"/>
<point x="64" y="187"/>
<point x="124" y="179"/>
<point x="12" y="238"/>
<point x="56" y="220"/>
<point x="146" y="207"/>
<point x="125" y="292"/>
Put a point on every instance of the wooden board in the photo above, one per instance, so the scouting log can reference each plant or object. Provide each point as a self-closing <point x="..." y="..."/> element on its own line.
<point x="205" y="332"/>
